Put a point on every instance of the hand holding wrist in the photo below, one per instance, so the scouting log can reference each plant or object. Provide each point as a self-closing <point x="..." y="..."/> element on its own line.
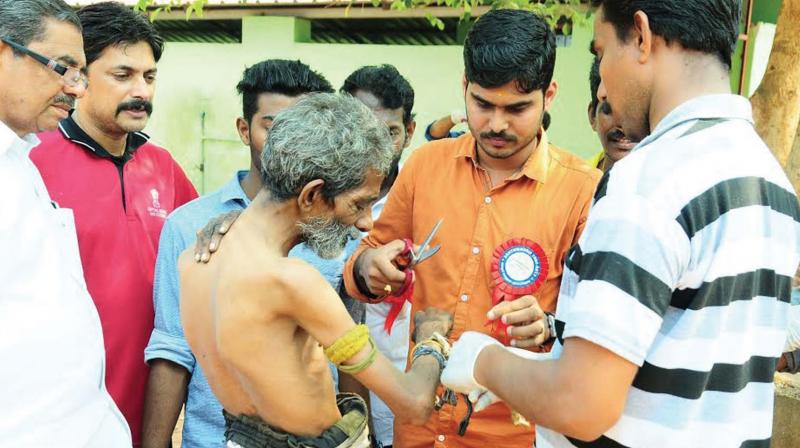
<point x="459" y="374"/>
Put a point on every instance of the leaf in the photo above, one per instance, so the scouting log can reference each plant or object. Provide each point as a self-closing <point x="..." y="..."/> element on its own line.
<point x="141" y="5"/>
<point x="154" y="14"/>
<point x="435" y="21"/>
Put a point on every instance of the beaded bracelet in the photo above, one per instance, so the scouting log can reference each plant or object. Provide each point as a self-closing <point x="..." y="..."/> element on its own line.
<point x="423" y="350"/>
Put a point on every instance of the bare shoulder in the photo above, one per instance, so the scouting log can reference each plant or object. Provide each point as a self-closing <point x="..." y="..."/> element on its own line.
<point x="290" y="277"/>
<point x="298" y="274"/>
<point x="186" y="259"/>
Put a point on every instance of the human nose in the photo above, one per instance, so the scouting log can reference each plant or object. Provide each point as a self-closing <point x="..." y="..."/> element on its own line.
<point x="364" y="222"/>
<point x="498" y="123"/>
<point x="602" y="95"/>
<point x="76" y="89"/>
<point x="142" y="89"/>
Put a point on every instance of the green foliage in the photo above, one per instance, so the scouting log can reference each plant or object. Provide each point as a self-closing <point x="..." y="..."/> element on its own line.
<point x="562" y="14"/>
<point x="192" y="7"/>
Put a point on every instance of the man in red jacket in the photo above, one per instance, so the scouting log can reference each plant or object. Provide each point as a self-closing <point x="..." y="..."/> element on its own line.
<point x="121" y="188"/>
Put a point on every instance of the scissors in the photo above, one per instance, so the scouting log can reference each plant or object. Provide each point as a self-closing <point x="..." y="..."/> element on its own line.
<point x="424" y="252"/>
<point x="408" y="258"/>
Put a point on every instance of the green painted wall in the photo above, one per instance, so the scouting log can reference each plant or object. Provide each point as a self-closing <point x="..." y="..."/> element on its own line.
<point x="196" y="104"/>
<point x="766" y="10"/>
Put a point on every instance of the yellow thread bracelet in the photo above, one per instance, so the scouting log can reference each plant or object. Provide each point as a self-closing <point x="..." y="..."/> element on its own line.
<point x="348" y="345"/>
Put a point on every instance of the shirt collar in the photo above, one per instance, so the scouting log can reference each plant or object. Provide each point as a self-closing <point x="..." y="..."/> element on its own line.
<point x="725" y="106"/>
<point x="232" y="191"/>
<point x="535" y="168"/>
<point x="72" y="132"/>
<point x="9" y="140"/>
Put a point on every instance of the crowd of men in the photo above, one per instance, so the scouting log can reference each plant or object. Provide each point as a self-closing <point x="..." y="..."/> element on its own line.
<point x="637" y="299"/>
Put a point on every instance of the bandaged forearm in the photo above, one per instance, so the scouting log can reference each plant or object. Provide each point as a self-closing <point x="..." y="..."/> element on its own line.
<point x="348" y="346"/>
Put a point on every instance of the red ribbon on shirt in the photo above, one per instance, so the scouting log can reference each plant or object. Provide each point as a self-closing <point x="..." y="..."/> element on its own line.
<point x="519" y="268"/>
<point x="405" y="294"/>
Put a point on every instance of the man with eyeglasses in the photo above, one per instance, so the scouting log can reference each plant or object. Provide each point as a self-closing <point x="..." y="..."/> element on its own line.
<point x="52" y="343"/>
<point x="120" y="186"/>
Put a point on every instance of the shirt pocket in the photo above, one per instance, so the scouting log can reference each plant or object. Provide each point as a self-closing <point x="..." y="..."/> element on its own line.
<point x="68" y="242"/>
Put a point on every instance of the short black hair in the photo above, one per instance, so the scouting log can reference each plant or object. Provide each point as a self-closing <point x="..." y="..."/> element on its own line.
<point x="109" y="24"/>
<point x="594" y="82"/>
<point x="386" y="83"/>
<point x="708" y="26"/>
<point x="281" y="76"/>
<point x="508" y="45"/>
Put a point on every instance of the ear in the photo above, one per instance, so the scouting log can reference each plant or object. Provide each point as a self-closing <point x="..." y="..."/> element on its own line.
<point x="244" y="130"/>
<point x="643" y="35"/>
<point x="410" y="128"/>
<point x="311" y="196"/>
<point x="464" y="84"/>
<point x="591" y="112"/>
<point x="550" y="95"/>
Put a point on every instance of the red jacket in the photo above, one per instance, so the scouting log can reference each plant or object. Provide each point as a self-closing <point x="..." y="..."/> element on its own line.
<point x="120" y="204"/>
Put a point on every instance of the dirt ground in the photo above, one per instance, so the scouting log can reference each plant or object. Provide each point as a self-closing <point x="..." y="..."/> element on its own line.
<point x="786" y="422"/>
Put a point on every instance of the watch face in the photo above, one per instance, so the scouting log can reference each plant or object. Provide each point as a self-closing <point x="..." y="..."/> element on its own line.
<point x="551" y="322"/>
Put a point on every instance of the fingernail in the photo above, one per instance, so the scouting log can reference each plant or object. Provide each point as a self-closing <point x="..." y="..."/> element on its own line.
<point x="204" y="257"/>
<point x="196" y="257"/>
<point x="223" y="229"/>
<point x="212" y="246"/>
<point x="504" y="319"/>
<point x="513" y="342"/>
<point x="490" y="315"/>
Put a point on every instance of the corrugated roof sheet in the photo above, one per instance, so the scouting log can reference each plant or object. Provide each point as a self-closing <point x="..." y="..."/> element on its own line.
<point x="334" y="31"/>
<point x="384" y="31"/>
<point x="227" y="3"/>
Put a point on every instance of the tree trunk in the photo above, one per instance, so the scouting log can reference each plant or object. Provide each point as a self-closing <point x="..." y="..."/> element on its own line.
<point x="792" y="166"/>
<point x="776" y="103"/>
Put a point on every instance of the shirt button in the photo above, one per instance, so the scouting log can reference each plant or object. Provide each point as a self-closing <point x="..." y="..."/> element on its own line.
<point x="476" y="250"/>
<point x="464" y="297"/>
<point x="487" y="200"/>
<point x="440" y="438"/>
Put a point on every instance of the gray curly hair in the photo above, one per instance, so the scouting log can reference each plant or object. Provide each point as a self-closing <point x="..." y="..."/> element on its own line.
<point x="324" y="136"/>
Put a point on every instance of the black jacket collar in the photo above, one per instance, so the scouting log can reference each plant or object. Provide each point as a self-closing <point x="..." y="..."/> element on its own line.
<point x="72" y="132"/>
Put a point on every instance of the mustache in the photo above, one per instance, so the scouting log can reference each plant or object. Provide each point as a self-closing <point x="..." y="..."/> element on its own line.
<point x="498" y="135"/>
<point x="135" y="105"/>
<point x="65" y="100"/>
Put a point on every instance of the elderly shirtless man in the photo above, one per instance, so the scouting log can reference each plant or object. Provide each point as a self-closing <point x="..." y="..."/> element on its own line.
<point x="262" y="325"/>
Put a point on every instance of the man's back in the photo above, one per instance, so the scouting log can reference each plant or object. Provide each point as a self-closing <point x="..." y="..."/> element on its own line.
<point x="258" y="363"/>
<point x="690" y="250"/>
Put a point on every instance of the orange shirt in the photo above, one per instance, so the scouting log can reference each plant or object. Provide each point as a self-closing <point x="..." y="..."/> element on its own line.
<point x="546" y="202"/>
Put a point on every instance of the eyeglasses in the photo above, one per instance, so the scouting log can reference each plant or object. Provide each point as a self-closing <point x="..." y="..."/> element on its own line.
<point x="71" y="75"/>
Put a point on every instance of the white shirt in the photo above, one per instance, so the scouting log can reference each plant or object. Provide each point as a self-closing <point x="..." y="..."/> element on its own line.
<point x="51" y="343"/>
<point x="685" y="269"/>
<point x="394" y="346"/>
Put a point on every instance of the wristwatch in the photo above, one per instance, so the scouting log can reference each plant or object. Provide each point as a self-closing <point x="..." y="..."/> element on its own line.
<point x="551" y="324"/>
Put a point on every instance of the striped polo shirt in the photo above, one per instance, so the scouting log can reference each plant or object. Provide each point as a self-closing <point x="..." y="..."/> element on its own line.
<point x="684" y="269"/>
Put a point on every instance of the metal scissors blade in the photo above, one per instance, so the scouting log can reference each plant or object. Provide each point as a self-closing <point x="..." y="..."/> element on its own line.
<point x="424" y="253"/>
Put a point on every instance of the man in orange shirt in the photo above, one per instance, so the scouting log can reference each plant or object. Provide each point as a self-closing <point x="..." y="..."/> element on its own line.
<point x="512" y="206"/>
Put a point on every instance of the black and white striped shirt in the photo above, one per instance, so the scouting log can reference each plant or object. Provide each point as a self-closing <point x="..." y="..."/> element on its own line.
<point x="684" y="268"/>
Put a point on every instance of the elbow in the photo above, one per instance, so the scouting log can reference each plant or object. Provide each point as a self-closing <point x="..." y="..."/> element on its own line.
<point x="593" y="420"/>
<point x="417" y="412"/>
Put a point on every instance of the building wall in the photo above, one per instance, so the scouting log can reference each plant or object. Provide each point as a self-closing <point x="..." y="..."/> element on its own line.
<point x="196" y="103"/>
